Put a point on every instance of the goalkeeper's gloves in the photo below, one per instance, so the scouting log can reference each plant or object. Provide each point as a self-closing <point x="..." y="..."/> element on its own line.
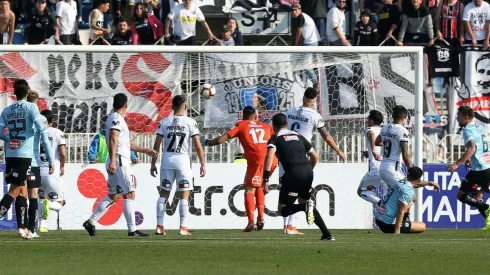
<point x="206" y="142"/>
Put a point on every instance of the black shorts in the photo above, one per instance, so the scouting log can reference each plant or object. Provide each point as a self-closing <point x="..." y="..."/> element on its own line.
<point x="296" y="183"/>
<point x="476" y="181"/>
<point x="390" y="228"/>
<point x="34" y="179"/>
<point x="17" y="170"/>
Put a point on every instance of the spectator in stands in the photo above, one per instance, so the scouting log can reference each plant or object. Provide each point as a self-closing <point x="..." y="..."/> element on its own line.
<point x="146" y="28"/>
<point x="376" y="7"/>
<point x="122" y="35"/>
<point x="476" y="19"/>
<point x="40" y="24"/>
<point x="416" y="28"/>
<point x="335" y="22"/>
<point x="306" y="33"/>
<point x="366" y="33"/>
<point x="96" y="19"/>
<point x="66" y="23"/>
<point x="318" y="11"/>
<point x="235" y="32"/>
<point x="98" y="151"/>
<point x="227" y="37"/>
<point x="7" y="22"/>
<point x="389" y="20"/>
<point x="184" y="17"/>
<point x="449" y="21"/>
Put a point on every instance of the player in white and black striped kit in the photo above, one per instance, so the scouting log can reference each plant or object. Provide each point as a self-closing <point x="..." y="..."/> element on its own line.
<point x="371" y="180"/>
<point x="292" y="150"/>
<point x="305" y="120"/>
<point x="394" y="137"/>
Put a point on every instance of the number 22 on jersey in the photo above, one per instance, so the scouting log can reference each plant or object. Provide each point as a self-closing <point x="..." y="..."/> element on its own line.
<point x="257" y="135"/>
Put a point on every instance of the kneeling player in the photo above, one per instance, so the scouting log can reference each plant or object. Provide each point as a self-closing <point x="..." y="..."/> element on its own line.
<point x="371" y="181"/>
<point x="391" y="215"/>
<point x="253" y="136"/>
<point x="51" y="192"/>
<point x="291" y="149"/>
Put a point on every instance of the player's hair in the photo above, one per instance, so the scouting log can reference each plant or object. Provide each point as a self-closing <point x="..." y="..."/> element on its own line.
<point x="120" y="100"/>
<point x="376" y="116"/>
<point x="48" y="114"/>
<point x="414" y="173"/>
<point x="21" y="88"/>
<point x="178" y="101"/>
<point x="32" y="96"/>
<point x="248" y="112"/>
<point x="310" y="93"/>
<point x="279" y="120"/>
<point x="399" y="112"/>
<point x="103" y="2"/>
<point x="466" y="111"/>
<point x="143" y="14"/>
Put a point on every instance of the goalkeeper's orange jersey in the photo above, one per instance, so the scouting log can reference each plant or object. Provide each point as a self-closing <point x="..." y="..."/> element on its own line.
<point x="253" y="136"/>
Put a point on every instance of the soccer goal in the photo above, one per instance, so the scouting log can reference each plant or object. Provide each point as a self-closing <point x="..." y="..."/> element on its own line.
<point x="78" y="83"/>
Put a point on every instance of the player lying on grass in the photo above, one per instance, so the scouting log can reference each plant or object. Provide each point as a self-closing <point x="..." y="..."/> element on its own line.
<point x="477" y="151"/>
<point x="392" y="213"/>
<point x="371" y="180"/>
<point x="176" y="133"/>
<point x="292" y="150"/>
<point x="253" y="136"/>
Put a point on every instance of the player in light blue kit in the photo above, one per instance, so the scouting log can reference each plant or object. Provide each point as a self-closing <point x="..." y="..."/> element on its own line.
<point x="392" y="214"/>
<point x="477" y="180"/>
<point x="21" y="117"/>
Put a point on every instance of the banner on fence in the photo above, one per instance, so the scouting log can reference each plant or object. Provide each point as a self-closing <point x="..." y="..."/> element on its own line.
<point x="216" y="203"/>
<point x="79" y="87"/>
<point x="473" y="90"/>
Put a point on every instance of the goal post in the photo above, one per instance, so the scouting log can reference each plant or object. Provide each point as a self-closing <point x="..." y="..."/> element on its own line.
<point x="78" y="83"/>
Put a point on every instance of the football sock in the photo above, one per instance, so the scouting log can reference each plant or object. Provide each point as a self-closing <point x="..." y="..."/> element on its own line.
<point x="260" y="201"/>
<point x="370" y="197"/>
<point x="286" y="220"/>
<point x="20" y="211"/>
<point x="102" y="208"/>
<point x="292" y="208"/>
<point x="250" y="206"/>
<point x="291" y="219"/>
<point x="33" y="209"/>
<point x="130" y="215"/>
<point x="321" y="224"/>
<point x="183" y="210"/>
<point x="161" y="207"/>
<point x="56" y="206"/>
<point x="479" y="204"/>
<point x="5" y="204"/>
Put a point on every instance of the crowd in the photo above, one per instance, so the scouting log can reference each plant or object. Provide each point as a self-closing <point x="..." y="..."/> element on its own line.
<point x="316" y="22"/>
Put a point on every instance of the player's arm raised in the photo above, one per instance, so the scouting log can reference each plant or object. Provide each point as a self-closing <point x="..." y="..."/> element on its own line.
<point x="470" y="150"/>
<point x="426" y="183"/>
<point x="217" y="141"/>
<point x="140" y="149"/>
<point x="200" y="154"/>
<point x="402" y="209"/>
<point x="331" y="142"/>
<point x="156" y="147"/>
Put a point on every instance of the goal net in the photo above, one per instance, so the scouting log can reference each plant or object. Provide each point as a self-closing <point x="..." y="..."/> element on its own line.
<point x="78" y="83"/>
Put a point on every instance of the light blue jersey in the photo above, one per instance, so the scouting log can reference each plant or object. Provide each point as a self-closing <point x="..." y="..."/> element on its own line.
<point x="37" y="138"/>
<point x="402" y="192"/>
<point x="21" y="117"/>
<point x="481" y="158"/>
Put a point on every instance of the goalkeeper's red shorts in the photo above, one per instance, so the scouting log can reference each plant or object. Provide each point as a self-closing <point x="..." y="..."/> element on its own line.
<point x="255" y="172"/>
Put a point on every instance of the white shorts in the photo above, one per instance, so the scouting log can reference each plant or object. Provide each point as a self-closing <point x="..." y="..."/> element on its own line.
<point x="184" y="178"/>
<point x="52" y="188"/>
<point x="391" y="176"/>
<point x="371" y="180"/>
<point x="122" y="182"/>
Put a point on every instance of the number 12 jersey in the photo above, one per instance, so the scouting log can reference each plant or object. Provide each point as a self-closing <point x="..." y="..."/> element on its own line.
<point x="177" y="132"/>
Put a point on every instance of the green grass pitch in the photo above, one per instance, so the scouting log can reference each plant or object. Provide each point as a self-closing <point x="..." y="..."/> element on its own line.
<point x="234" y="252"/>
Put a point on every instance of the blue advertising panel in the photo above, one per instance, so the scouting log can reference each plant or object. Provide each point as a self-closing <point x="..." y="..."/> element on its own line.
<point x="442" y="209"/>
